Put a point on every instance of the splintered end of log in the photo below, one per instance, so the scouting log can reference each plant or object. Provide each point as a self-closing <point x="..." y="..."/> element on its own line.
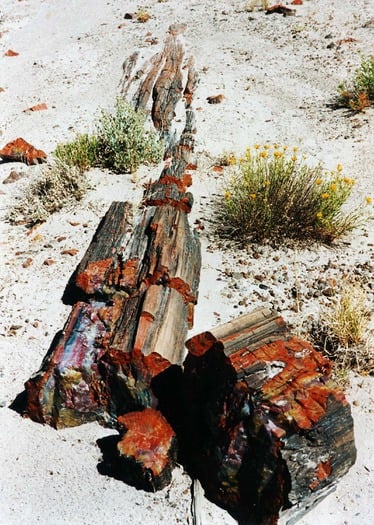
<point x="147" y="448"/>
<point x="248" y="330"/>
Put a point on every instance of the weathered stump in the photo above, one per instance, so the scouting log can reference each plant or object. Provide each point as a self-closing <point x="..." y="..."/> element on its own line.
<point x="269" y="432"/>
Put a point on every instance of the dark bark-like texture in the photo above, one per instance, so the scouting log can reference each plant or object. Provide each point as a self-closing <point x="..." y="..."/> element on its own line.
<point x="269" y="431"/>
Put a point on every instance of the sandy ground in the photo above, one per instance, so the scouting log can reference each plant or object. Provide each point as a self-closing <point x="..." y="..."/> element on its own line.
<point x="278" y="75"/>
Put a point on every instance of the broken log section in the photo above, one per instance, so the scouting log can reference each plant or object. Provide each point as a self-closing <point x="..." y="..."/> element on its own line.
<point x="269" y="432"/>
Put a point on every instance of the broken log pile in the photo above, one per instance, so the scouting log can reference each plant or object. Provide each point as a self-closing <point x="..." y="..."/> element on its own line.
<point x="252" y="413"/>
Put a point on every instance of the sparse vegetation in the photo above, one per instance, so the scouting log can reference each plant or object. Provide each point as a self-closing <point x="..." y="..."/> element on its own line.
<point x="252" y="4"/>
<point x="82" y="152"/>
<point x="272" y="194"/>
<point x="123" y="140"/>
<point x="143" y="16"/>
<point x="359" y="93"/>
<point x="120" y="143"/>
<point x="59" y="186"/>
<point x="343" y="334"/>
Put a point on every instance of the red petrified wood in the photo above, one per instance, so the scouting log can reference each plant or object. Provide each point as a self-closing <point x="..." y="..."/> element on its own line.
<point x="21" y="151"/>
<point x="147" y="448"/>
<point x="258" y="420"/>
<point x="269" y="432"/>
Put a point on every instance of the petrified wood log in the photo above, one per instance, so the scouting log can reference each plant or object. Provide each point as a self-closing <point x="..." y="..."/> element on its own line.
<point x="133" y="293"/>
<point x="269" y="432"/>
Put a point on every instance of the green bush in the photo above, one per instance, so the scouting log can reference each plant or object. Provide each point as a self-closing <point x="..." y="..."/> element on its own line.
<point x="58" y="186"/>
<point x="123" y="141"/>
<point x="359" y="93"/>
<point x="82" y="152"/>
<point x="272" y="195"/>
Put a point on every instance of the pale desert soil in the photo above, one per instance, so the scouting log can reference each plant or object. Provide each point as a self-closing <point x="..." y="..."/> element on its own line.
<point x="278" y="76"/>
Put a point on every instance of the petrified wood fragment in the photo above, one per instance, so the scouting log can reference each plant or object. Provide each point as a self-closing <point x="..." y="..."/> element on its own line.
<point x="269" y="432"/>
<point x="21" y="151"/>
<point x="147" y="449"/>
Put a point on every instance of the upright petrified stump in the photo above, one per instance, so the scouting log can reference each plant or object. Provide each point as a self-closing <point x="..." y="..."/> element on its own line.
<point x="269" y="432"/>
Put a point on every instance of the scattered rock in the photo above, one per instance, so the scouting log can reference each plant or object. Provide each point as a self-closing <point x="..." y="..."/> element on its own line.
<point x="216" y="99"/>
<point x="11" y="53"/>
<point x="21" y="151"/>
<point x="71" y="251"/>
<point x="38" y="107"/>
<point x="27" y="263"/>
<point x="48" y="262"/>
<point x="13" y="177"/>
<point x="281" y="9"/>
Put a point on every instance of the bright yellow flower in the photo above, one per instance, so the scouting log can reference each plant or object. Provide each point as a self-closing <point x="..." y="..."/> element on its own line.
<point x="263" y="154"/>
<point x="257" y="146"/>
<point x="278" y="154"/>
<point x="319" y="215"/>
<point x="325" y="195"/>
<point x="252" y="195"/>
<point x="285" y="148"/>
<point x="347" y="180"/>
<point x="295" y="149"/>
<point x="333" y="187"/>
<point x="339" y="168"/>
<point x="266" y="146"/>
<point x="267" y="182"/>
<point x="275" y="146"/>
<point x="227" y="195"/>
<point x="232" y="160"/>
<point x="368" y="200"/>
<point x="319" y="181"/>
<point x="294" y="158"/>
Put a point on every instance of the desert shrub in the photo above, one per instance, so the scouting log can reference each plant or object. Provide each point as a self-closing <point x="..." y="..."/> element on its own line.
<point x="271" y="194"/>
<point x="250" y="5"/>
<point x="342" y="334"/>
<point x="81" y="152"/>
<point x="58" y="186"/>
<point x="359" y="93"/>
<point x="123" y="140"/>
<point x="143" y="16"/>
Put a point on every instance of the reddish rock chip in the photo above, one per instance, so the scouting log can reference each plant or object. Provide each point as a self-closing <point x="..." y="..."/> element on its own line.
<point x="215" y="99"/>
<point x="21" y="151"/>
<point x="11" y="53"/>
<point x="38" y="107"/>
<point x="71" y="251"/>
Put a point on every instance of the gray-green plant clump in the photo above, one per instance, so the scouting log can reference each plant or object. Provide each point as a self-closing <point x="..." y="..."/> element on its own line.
<point x="121" y="142"/>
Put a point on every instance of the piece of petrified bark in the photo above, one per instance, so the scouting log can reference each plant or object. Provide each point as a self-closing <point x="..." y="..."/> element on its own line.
<point x="21" y="151"/>
<point x="147" y="449"/>
<point x="269" y="432"/>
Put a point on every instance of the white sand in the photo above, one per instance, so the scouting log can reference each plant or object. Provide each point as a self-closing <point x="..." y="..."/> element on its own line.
<point x="278" y="76"/>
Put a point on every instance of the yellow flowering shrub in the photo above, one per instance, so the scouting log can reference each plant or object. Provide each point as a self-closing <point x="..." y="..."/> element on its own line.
<point x="273" y="194"/>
